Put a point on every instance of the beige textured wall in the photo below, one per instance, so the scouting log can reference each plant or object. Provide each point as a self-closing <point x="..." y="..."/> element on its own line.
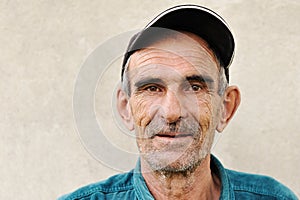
<point x="44" y="44"/>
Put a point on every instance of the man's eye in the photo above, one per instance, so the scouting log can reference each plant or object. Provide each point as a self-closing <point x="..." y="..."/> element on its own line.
<point x="194" y="87"/>
<point x="152" y="89"/>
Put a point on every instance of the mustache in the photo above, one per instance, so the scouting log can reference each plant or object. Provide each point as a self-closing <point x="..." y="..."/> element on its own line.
<point x="160" y="126"/>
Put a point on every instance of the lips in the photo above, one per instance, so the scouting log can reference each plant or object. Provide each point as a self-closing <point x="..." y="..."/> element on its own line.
<point x="172" y="141"/>
<point x="173" y="135"/>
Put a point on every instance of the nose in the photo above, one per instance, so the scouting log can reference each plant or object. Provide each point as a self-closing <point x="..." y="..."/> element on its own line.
<point x="171" y="107"/>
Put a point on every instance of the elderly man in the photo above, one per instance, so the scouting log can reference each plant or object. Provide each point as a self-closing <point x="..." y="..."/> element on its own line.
<point x="175" y="95"/>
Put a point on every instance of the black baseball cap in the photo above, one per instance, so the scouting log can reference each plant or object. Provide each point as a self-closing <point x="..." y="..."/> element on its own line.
<point x="190" y="18"/>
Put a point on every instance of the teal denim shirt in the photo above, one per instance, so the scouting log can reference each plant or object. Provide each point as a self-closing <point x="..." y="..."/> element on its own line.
<point x="235" y="185"/>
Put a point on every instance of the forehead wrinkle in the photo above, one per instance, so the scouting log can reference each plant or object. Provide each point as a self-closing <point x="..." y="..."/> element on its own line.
<point x="183" y="50"/>
<point x="203" y="45"/>
<point x="154" y="56"/>
<point x="191" y="39"/>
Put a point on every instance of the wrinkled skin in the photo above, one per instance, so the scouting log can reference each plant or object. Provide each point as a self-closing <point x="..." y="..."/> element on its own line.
<point x="173" y="102"/>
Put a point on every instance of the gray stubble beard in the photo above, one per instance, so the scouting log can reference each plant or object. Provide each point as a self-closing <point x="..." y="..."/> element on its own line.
<point x="185" y="163"/>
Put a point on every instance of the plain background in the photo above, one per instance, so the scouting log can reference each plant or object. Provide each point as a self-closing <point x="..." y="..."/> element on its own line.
<point x="44" y="44"/>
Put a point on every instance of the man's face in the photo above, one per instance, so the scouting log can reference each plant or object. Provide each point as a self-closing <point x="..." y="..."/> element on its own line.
<point x="174" y="102"/>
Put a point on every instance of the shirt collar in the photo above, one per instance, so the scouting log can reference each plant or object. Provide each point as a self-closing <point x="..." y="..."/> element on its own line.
<point x="142" y="191"/>
<point x="140" y="186"/>
<point x="217" y="168"/>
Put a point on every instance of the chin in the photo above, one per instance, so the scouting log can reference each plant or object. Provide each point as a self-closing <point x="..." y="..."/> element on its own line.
<point x="172" y="163"/>
<point x="179" y="167"/>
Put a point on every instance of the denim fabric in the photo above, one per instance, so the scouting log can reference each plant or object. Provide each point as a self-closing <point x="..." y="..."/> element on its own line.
<point x="235" y="185"/>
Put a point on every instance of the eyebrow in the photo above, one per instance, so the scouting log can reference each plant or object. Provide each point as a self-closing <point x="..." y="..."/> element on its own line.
<point x="196" y="78"/>
<point x="200" y="78"/>
<point x="146" y="81"/>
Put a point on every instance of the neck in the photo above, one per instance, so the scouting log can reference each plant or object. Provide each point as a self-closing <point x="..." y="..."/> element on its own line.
<point x="199" y="183"/>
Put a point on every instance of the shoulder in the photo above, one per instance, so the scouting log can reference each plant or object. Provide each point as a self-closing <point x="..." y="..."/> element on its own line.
<point x="113" y="187"/>
<point x="245" y="185"/>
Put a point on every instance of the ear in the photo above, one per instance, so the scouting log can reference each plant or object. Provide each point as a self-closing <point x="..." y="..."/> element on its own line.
<point x="124" y="109"/>
<point x="231" y="102"/>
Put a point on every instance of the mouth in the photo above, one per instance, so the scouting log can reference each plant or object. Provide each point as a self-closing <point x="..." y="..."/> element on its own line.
<point x="173" y="135"/>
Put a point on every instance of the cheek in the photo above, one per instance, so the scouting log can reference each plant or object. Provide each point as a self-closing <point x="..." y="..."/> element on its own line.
<point x="141" y="111"/>
<point x="206" y="114"/>
<point x="205" y="117"/>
